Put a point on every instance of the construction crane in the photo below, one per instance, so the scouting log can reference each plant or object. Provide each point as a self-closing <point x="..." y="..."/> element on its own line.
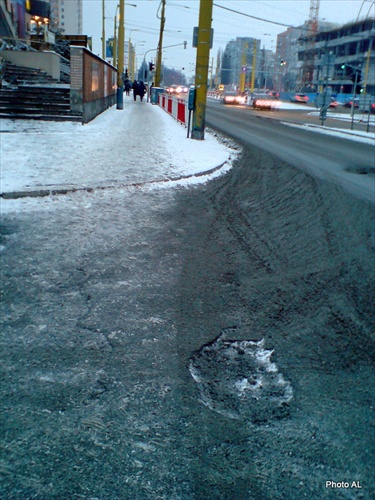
<point x="308" y="62"/>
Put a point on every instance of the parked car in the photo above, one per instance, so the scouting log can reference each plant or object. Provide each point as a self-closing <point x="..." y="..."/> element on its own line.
<point x="265" y="101"/>
<point x="301" y="98"/>
<point x="233" y="98"/>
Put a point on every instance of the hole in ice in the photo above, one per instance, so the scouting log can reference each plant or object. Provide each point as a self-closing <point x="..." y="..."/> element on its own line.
<point x="237" y="379"/>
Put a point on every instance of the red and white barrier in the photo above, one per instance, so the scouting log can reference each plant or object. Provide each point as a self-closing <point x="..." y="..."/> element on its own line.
<point x="176" y="107"/>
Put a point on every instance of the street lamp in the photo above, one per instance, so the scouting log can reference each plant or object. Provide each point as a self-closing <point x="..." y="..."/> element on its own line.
<point x="152" y="50"/>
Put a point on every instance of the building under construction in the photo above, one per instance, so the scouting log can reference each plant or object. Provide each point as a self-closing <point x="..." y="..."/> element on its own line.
<point x="338" y="53"/>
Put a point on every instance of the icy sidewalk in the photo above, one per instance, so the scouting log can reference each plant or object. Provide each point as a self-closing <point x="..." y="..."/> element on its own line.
<point x="137" y="145"/>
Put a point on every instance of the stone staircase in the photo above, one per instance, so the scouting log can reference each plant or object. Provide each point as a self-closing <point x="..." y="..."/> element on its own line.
<point x="20" y="75"/>
<point x="32" y="94"/>
<point x="37" y="102"/>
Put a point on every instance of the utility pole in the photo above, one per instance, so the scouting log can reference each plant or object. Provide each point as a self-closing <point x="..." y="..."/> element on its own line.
<point x="121" y="48"/>
<point x="115" y="39"/>
<point x="103" y="29"/>
<point x="114" y="51"/>
<point x="160" y="45"/>
<point x="201" y="68"/>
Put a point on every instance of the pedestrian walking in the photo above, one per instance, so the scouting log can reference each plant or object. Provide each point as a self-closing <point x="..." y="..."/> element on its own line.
<point x="141" y="90"/>
<point x="127" y="87"/>
<point x="135" y="89"/>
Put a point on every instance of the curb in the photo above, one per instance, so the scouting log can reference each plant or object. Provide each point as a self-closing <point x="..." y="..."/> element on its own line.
<point x="42" y="193"/>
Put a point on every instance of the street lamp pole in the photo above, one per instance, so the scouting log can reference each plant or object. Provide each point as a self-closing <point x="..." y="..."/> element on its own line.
<point x="160" y="46"/>
<point x="357" y="69"/>
<point x="121" y="50"/>
<point x="115" y="39"/>
<point x="152" y="50"/>
<point x="103" y="29"/>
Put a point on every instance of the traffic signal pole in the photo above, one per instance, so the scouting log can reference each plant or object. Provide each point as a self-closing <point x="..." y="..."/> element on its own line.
<point x="201" y="68"/>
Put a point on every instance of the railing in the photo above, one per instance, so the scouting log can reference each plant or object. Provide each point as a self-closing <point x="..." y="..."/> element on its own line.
<point x="64" y="69"/>
<point x="175" y="107"/>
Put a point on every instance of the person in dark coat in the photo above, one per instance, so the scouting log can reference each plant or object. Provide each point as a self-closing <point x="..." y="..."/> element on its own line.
<point x="135" y="89"/>
<point x="141" y="90"/>
<point x="127" y="87"/>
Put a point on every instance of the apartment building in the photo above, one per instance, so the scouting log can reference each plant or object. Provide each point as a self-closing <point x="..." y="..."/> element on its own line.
<point x="67" y="16"/>
<point x="237" y="59"/>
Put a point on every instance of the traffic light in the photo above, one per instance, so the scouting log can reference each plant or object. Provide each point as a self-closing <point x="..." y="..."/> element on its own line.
<point x="151" y="66"/>
<point x="282" y="62"/>
<point x="343" y="66"/>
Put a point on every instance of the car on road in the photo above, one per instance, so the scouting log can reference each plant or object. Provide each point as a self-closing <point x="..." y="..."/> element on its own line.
<point x="301" y="98"/>
<point x="348" y="104"/>
<point x="265" y="101"/>
<point x="177" y="89"/>
<point x="333" y="103"/>
<point x="233" y="98"/>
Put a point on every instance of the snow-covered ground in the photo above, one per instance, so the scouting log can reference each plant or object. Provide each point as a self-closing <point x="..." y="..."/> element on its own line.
<point x="141" y="145"/>
<point x="357" y="135"/>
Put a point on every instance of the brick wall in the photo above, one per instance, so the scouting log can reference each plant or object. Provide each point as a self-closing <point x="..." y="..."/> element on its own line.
<point x="93" y="83"/>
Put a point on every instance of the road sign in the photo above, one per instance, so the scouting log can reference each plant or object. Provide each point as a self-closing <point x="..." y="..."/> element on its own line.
<point x="195" y="37"/>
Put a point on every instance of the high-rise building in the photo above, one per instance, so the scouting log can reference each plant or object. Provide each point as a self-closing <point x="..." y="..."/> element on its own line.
<point x="237" y="59"/>
<point x="67" y="16"/>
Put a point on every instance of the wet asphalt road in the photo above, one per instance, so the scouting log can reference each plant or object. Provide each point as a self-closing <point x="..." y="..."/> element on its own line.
<point x="337" y="160"/>
<point x="114" y="386"/>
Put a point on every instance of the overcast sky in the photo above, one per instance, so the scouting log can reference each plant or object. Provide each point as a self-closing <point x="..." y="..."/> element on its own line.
<point x="142" y="24"/>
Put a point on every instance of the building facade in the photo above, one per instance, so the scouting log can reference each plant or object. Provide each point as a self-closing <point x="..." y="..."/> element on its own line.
<point x="287" y="67"/>
<point x="22" y="19"/>
<point x="66" y="15"/>
<point x="237" y="60"/>
<point x="340" y="53"/>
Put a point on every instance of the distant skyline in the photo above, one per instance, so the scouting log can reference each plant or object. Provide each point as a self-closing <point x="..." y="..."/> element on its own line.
<point x="142" y="24"/>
